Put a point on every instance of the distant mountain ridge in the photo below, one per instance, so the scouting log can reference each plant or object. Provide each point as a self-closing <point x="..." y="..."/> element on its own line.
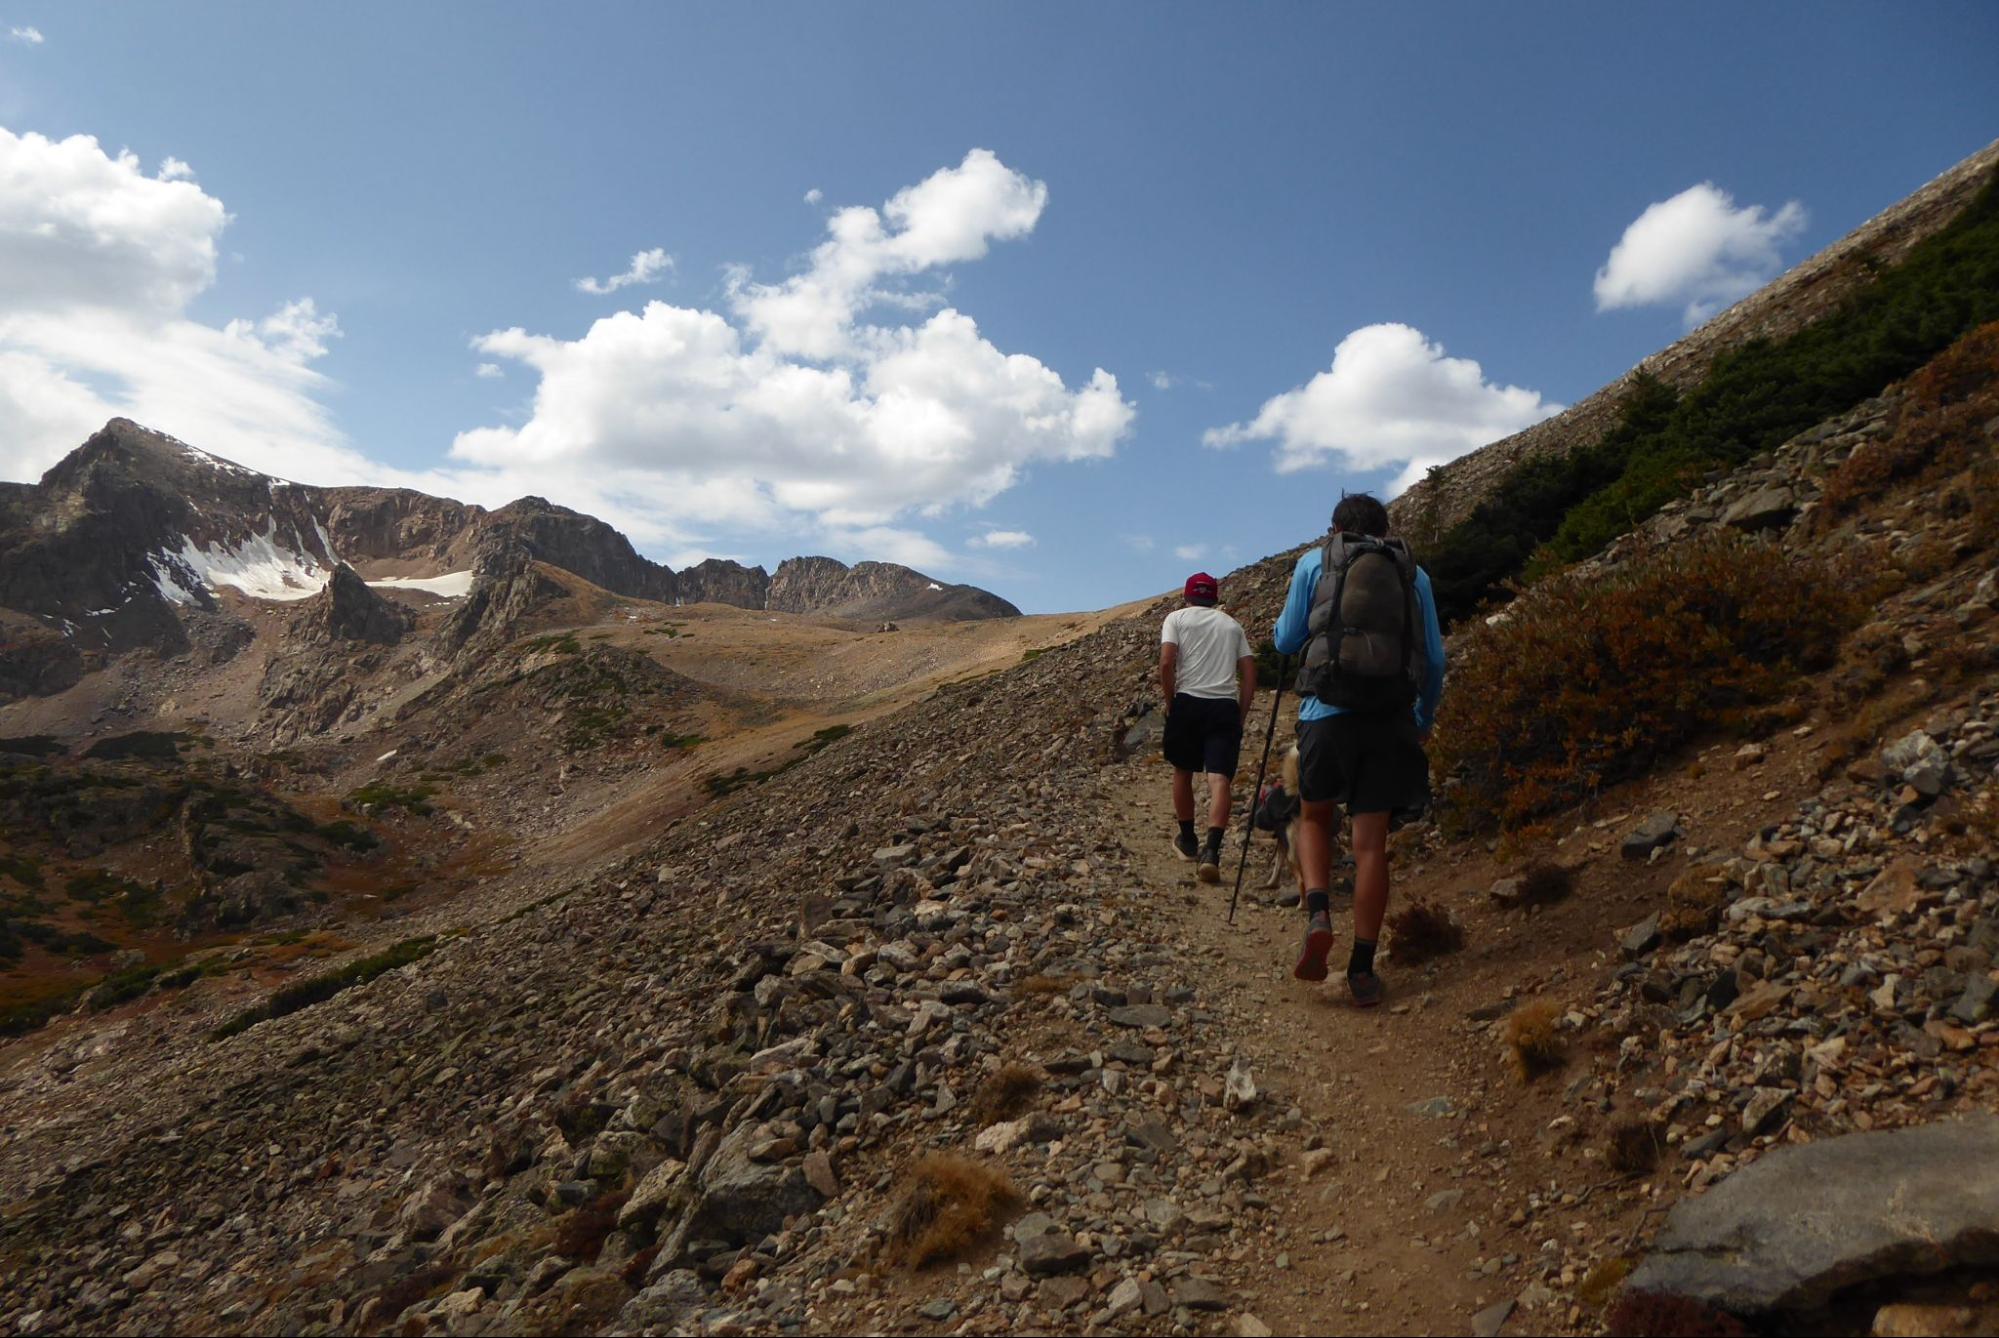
<point x="135" y="532"/>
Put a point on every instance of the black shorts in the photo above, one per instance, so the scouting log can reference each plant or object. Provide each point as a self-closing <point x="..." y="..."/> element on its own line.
<point x="1204" y="734"/>
<point x="1365" y="763"/>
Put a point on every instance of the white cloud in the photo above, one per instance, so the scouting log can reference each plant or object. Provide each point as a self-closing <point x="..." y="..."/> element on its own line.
<point x="173" y="169"/>
<point x="647" y="267"/>
<point x="814" y="196"/>
<point x="949" y="217"/>
<point x="885" y="543"/>
<point x="1190" y="552"/>
<point x="1002" y="539"/>
<point x="797" y="416"/>
<point x="98" y="263"/>
<point x="1697" y="248"/>
<point x="1141" y="543"/>
<point x="1160" y="380"/>
<point x="1391" y="398"/>
<point x="488" y="371"/>
<point x="26" y="36"/>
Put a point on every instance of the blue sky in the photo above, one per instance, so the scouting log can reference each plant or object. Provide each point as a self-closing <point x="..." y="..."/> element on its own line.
<point x="1208" y="204"/>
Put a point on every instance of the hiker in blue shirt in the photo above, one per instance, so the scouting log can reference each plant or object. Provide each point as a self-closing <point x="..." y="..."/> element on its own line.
<point x="1373" y="672"/>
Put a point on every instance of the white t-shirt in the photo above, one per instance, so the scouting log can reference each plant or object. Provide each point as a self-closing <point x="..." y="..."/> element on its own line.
<point x="1210" y="643"/>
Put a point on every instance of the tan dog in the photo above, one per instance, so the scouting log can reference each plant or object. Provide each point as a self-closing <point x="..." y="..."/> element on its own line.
<point x="1276" y="813"/>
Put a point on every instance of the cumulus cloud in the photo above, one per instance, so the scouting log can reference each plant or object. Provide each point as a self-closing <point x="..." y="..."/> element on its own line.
<point x="1002" y="539"/>
<point x="814" y="196"/>
<point x="1698" y="248"/>
<point x="26" y="36"/>
<point x="647" y="267"/>
<point x="949" y="217"/>
<point x="793" y="409"/>
<point x="173" y="169"/>
<point x="1160" y="380"/>
<point x="1190" y="552"/>
<point x="98" y="264"/>
<point x="1390" y="399"/>
<point x="488" y="371"/>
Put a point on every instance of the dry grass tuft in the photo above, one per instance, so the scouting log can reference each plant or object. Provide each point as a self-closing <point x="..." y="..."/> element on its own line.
<point x="1693" y="905"/>
<point x="1033" y="987"/>
<point x="1543" y="883"/>
<point x="1423" y="932"/>
<point x="1533" y="1040"/>
<point x="1632" y="1147"/>
<point x="946" y="1204"/>
<point x="1005" y="1093"/>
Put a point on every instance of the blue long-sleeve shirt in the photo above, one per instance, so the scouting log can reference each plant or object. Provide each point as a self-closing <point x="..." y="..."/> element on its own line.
<point x="1292" y="633"/>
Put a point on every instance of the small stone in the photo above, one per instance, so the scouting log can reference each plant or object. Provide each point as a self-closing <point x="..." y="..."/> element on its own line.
<point x="1238" y="1089"/>
<point x="1765" y="1104"/>
<point x="1198" y="1294"/>
<point x="1142" y="1015"/>
<point x="1050" y="1253"/>
<point x="938" y="1310"/>
<point x="1975" y="1003"/>
<point x="1124" y="1297"/>
<point x="1248" y="1325"/>
<point x="1435" y="1108"/>
<point x="1488" y="1322"/>
<point x="1444" y="1200"/>
<point x="819" y="1174"/>
<point x="1641" y="938"/>
<point x="1655" y="833"/>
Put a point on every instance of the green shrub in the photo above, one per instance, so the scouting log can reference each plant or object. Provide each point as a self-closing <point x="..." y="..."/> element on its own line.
<point x="1753" y="398"/>
<point x="823" y="737"/>
<point x="318" y="989"/>
<point x="562" y="643"/>
<point x="34" y="745"/>
<point x="1588" y="683"/>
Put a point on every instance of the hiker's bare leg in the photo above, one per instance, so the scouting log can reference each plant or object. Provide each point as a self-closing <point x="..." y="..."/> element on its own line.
<point x="1218" y="800"/>
<point x="1314" y="836"/>
<point x="1183" y="795"/>
<point x="1370" y="874"/>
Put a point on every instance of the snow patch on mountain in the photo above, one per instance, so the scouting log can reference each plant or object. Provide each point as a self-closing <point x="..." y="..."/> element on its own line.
<point x="452" y="585"/>
<point x="260" y="567"/>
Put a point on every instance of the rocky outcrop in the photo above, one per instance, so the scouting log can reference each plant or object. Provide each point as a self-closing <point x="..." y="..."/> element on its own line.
<point x="875" y="591"/>
<point x="583" y="545"/>
<point x="35" y="660"/>
<point x="347" y="610"/>
<point x="720" y="581"/>
<point x="1809" y="290"/>
<point x="1806" y="1222"/>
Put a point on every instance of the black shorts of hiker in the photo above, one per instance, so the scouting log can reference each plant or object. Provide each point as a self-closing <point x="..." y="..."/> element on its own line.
<point x="1362" y="613"/>
<point x="1207" y="677"/>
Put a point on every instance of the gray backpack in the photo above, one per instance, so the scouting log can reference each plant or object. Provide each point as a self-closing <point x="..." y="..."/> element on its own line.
<point x="1366" y="649"/>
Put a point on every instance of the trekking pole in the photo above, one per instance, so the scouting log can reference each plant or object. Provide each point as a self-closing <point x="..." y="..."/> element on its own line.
<point x="1256" y="793"/>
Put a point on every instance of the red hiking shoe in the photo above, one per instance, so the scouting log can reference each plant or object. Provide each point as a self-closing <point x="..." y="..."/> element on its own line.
<point x="1318" y="943"/>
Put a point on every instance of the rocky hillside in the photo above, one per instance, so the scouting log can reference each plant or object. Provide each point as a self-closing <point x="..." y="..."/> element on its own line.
<point x="1805" y="293"/>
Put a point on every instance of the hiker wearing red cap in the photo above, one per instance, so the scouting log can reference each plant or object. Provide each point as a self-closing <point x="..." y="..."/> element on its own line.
<point x="1207" y="676"/>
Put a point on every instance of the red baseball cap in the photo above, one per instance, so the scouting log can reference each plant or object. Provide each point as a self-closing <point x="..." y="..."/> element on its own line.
<point x="1201" y="588"/>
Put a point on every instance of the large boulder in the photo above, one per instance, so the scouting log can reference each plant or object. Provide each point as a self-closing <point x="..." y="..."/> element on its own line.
<point x="736" y="1201"/>
<point x="1789" y="1231"/>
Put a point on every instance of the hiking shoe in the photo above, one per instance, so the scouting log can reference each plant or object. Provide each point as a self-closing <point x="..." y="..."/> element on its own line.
<point x="1209" y="870"/>
<point x="1318" y="942"/>
<point x="1186" y="847"/>
<point x="1365" y="987"/>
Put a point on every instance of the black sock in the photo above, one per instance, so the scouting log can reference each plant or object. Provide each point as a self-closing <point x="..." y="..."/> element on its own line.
<point x="1318" y="903"/>
<point x="1187" y="829"/>
<point x="1215" y="835"/>
<point x="1362" y="960"/>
